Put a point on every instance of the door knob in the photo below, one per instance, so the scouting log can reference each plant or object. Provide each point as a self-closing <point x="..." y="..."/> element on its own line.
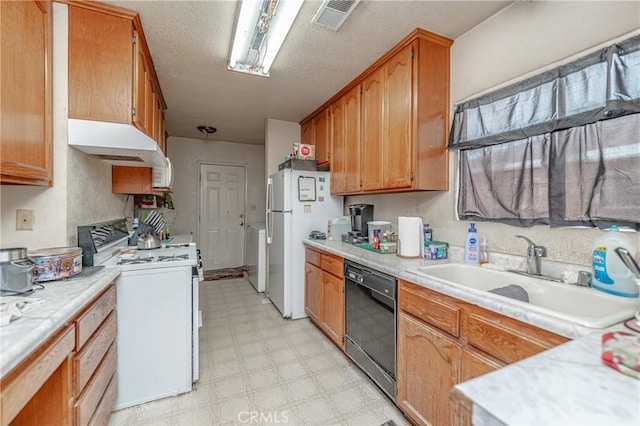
<point x="241" y="223"/>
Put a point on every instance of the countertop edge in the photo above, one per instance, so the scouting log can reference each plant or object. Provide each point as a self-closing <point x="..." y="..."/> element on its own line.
<point x="26" y="334"/>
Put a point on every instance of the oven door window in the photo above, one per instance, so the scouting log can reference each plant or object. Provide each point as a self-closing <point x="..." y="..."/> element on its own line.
<point x="370" y="324"/>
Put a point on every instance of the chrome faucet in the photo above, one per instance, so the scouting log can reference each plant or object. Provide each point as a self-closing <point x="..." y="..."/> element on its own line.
<point x="535" y="254"/>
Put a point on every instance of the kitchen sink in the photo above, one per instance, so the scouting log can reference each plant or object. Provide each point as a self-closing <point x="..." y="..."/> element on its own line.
<point x="581" y="305"/>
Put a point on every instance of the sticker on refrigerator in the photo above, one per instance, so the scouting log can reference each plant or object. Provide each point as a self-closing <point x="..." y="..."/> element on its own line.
<point x="306" y="188"/>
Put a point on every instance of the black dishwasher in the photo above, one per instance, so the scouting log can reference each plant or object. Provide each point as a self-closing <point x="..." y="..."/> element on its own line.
<point x="370" y="316"/>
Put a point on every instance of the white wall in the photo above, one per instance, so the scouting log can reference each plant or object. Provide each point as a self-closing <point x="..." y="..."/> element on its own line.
<point x="279" y="139"/>
<point x="186" y="154"/>
<point x="81" y="191"/>
<point x="517" y="41"/>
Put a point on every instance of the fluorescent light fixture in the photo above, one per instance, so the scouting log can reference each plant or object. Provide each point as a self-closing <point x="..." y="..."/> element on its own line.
<point x="261" y="29"/>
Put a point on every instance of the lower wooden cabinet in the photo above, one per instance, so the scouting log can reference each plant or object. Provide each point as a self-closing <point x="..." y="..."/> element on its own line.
<point x="324" y="293"/>
<point x="443" y="341"/>
<point x="70" y="379"/>
<point x="427" y="369"/>
<point x="333" y="307"/>
<point x="313" y="292"/>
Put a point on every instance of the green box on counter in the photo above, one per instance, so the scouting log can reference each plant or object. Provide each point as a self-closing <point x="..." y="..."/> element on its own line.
<point x="436" y="250"/>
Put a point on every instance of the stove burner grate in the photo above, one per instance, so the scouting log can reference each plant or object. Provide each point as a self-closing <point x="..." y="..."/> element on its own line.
<point x="135" y="261"/>
<point x="173" y="258"/>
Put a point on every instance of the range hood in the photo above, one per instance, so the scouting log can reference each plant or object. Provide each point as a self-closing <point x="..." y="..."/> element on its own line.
<point x="117" y="143"/>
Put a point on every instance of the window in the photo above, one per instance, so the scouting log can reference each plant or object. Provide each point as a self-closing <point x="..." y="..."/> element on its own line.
<point x="561" y="148"/>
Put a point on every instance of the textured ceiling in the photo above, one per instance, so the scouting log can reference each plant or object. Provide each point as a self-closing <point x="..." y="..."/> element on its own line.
<point x="190" y="43"/>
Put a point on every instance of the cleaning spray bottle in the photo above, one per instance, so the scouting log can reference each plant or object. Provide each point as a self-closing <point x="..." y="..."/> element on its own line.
<point x="471" y="245"/>
<point x="609" y="272"/>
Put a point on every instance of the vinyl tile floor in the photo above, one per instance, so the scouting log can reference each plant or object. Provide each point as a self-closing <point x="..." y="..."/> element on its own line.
<point x="258" y="369"/>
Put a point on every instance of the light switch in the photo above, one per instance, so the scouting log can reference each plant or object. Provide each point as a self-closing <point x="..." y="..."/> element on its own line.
<point x="25" y="219"/>
<point x="307" y="208"/>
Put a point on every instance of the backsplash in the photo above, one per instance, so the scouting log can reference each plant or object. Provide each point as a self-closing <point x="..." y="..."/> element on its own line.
<point x="564" y="245"/>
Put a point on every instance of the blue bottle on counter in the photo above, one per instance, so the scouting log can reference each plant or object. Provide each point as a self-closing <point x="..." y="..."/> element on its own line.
<point x="471" y="245"/>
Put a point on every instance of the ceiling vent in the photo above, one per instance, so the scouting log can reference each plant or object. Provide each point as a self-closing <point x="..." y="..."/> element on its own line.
<point x="333" y="13"/>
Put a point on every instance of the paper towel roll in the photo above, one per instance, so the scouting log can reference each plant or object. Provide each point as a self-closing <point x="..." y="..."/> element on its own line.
<point x="410" y="236"/>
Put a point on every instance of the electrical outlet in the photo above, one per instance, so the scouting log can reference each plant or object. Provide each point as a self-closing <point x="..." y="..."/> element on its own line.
<point x="25" y="219"/>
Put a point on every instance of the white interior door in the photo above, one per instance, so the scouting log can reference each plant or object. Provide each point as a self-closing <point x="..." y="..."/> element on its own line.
<point x="221" y="227"/>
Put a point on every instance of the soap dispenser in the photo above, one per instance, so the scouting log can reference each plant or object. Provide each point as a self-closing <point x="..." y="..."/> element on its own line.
<point x="471" y="245"/>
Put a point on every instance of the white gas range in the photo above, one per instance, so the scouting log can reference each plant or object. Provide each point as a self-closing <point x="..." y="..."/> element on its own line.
<point x="158" y="311"/>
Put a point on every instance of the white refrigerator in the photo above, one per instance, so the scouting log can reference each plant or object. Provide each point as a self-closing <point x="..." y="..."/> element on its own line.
<point x="298" y="202"/>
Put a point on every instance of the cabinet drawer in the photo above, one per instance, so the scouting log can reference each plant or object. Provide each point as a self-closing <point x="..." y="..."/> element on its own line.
<point x="95" y="390"/>
<point x="333" y="265"/>
<point x="89" y="322"/>
<point x="423" y="304"/>
<point x="92" y="353"/>
<point x="108" y="401"/>
<point x="312" y="256"/>
<point x="17" y="392"/>
<point x="500" y="341"/>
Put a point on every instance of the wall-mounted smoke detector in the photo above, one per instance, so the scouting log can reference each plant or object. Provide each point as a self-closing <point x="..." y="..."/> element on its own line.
<point x="333" y="13"/>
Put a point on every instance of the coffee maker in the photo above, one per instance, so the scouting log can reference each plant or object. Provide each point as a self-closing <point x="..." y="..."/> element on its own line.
<point x="360" y="215"/>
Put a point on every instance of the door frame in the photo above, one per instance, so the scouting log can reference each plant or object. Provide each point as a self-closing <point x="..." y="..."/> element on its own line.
<point x="199" y="190"/>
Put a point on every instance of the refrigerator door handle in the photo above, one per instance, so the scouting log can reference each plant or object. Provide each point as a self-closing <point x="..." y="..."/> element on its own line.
<point x="269" y="226"/>
<point x="268" y="217"/>
<point x="269" y="193"/>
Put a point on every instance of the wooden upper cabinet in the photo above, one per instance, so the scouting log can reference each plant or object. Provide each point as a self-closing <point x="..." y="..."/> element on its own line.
<point x="100" y="66"/>
<point x="321" y="137"/>
<point x="372" y="125"/>
<point x="26" y="93"/>
<point x="345" y="143"/>
<point x="351" y="141"/>
<point x="132" y="180"/>
<point x="112" y="78"/>
<point x="306" y="133"/>
<point x="397" y="139"/>
<point x="338" y="146"/>
<point x="140" y="89"/>
<point x="403" y="120"/>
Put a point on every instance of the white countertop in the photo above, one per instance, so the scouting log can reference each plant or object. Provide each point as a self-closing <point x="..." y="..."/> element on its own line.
<point x="63" y="299"/>
<point x="566" y="385"/>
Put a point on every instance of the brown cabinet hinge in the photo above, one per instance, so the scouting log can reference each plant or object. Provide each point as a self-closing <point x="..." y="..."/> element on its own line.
<point x="133" y="111"/>
<point x="413" y="53"/>
<point x="411" y="176"/>
<point x="134" y="39"/>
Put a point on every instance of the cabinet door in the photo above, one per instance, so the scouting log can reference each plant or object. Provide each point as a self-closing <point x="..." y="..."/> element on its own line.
<point x="306" y="133"/>
<point x="397" y="136"/>
<point x="140" y="88"/>
<point x="151" y="106"/>
<point x="25" y="90"/>
<point x="371" y="132"/>
<point x="428" y="368"/>
<point x="338" y="147"/>
<point x="473" y="365"/>
<point x="313" y="292"/>
<point x="131" y="180"/>
<point x="321" y="137"/>
<point x="333" y="307"/>
<point x="100" y="66"/>
<point x="351" y="141"/>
